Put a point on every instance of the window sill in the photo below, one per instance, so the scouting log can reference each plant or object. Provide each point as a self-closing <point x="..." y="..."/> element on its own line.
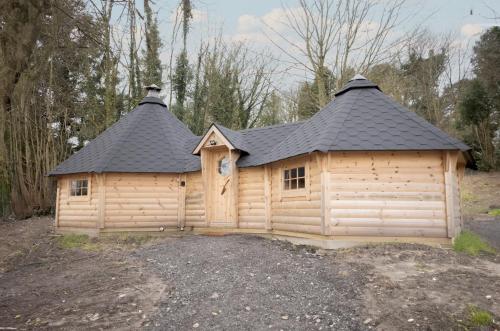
<point x="79" y="198"/>
<point x="294" y="193"/>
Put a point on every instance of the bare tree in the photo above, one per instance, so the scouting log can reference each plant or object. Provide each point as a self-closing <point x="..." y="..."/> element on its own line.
<point x="337" y="36"/>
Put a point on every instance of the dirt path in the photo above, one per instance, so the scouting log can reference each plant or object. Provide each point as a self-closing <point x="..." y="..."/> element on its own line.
<point x="43" y="286"/>
<point x="236" y="282"/>
<point x="250" y="283"/>
<point x="244" y="282"/>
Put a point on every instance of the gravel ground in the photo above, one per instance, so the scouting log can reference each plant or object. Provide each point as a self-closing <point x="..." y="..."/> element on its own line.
<point x="249" y="283"/>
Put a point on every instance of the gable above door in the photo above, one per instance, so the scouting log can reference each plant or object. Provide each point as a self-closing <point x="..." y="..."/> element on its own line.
<point x="218" y="135"/>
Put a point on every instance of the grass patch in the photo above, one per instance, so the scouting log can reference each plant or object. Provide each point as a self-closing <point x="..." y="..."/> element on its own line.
<point x="494" y="212"/>
<point x="115" y="241"/>
<point x="468" y="196"/>
<point x="81" y="241"/>
<point x="479" y="317"/>
<point x="127" y="239"/>
<point x="471" y="243"/>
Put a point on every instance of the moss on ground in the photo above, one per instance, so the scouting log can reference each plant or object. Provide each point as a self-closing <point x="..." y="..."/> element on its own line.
<point x="494" y="212"/>
<point x="472" y="244"/>
<point x="83" y="241"/>
<point x="479" y="317"/>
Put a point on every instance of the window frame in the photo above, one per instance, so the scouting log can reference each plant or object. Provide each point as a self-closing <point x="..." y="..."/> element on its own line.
<point x="79" y="197"/>
<point x="298" y="192"/>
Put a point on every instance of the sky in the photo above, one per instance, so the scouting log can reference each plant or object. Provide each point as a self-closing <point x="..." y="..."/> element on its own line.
<point x="247" y="21"/>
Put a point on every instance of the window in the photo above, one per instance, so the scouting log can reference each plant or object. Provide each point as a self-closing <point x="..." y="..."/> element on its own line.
<point x="294" y="178"/>
<point x="79" y="187"/>
<point x="224" y="168"/>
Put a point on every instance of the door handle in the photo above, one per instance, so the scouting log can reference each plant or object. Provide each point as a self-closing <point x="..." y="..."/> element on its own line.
<point x="224" y="186"/>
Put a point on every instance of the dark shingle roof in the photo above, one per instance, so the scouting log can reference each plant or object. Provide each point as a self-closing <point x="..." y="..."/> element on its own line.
<point x="148" y="139"/>
<point x="235" y="137"/>
<point x="360" y="118"/>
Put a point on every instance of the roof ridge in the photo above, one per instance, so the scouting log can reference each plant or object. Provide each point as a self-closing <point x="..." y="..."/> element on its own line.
<point x="272" y="126"/>
<point x="418" y="122"/>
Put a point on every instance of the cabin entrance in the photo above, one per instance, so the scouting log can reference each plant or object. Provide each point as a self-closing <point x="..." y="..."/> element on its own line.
<point x="220" y="186"/>
<point x="220" y="178"/>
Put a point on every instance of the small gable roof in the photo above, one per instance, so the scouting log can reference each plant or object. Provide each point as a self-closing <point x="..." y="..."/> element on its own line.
<point x="148" y="139"/>
<point x="234" y="139"/>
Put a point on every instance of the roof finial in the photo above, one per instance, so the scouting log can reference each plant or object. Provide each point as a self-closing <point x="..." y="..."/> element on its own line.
<point x="358" y="77"/>
<point x="153" y="91"/>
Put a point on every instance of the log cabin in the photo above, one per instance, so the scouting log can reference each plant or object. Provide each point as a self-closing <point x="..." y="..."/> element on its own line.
<point x="362" y="167"/>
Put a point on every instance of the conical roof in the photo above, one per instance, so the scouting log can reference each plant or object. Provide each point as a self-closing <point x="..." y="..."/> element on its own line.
<point x="362" y="118"/>
<point x="148" y="139"/>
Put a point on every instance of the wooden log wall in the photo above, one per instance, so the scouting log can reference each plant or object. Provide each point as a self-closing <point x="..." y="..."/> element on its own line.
<point x="387" y="194"/>
<point x="77" y="212"/>
<point x="141" y="200"/>
<point x="300" y="213"/>
<point x="251" y="199"/>
<point x="195" y="200"/>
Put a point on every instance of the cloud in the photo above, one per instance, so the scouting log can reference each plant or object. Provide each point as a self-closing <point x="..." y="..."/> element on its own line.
<point x="248" y="23"/>
<point x="257" y="28"/>
<point x="471" y="30"/>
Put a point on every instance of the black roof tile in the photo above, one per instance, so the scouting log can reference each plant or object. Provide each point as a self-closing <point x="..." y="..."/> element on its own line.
<point x="361" y="117"/>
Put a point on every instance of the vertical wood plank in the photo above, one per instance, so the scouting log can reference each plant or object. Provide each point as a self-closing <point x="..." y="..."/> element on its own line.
<point x="233" y="201"/>
<point x="58" y="194"/>
<point x="450" y="165"/>
<point x="267" y="196"/>
<point x="101" y="206"/>
<point x="327" y="193"/>
<point x="205" y="159"/>
<point x="181" y="205"/>
<point x="322" y="163"/>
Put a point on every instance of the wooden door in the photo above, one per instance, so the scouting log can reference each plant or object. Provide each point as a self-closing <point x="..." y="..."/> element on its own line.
<point x="221" y="187"/>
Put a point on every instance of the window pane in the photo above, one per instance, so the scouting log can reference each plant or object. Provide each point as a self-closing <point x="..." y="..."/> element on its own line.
<point x="301" y="172"/>
<point x="293" y="184"/>
<point x="287" y="184"/>
<point x="293" y="173"/>
<point x="287" y="174"/>
<point x="79" y="187"/>
<point x="302" y="182"/>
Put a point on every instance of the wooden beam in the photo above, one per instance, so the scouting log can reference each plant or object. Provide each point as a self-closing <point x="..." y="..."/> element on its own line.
<point x="205" y="158"/>
<point x="233" y="200"/>
<point x="450" y="159"/>
<point x="267" y="196"/>
<point x="101" y="209"/>
<point x="58" y="194"/>
<point x="181" y="205"/>
<point x="322" y="160"/>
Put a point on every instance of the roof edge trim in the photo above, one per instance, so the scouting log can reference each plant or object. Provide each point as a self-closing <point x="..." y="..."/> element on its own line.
<point x="212" y="129"/>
